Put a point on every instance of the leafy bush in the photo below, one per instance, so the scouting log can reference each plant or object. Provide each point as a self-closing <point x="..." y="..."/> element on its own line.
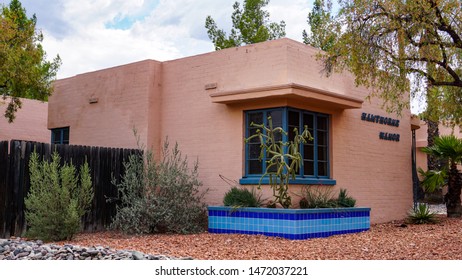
<point x="242" y="197"/>
<point x="160" y="196"/>
<point x="317" y="198"/>
<point x="344" y="200"/>
<point x="421" y="214"/>
<point x="57" y="199"/>
<point x="323" y="198"/>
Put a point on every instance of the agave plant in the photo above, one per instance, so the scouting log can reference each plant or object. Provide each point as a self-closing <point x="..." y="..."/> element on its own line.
<point x="448" y="148"/>
<point x="421" y="214"/>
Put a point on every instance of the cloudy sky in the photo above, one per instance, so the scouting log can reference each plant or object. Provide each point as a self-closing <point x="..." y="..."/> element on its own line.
<point x="95" y="34"/>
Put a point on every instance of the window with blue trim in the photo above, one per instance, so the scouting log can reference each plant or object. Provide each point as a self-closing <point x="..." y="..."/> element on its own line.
<point x="60" y="135"/>
<point x="315" y="154"/>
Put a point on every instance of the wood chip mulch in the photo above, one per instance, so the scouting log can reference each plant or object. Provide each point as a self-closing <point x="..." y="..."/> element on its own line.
<point x="389" y="241"/>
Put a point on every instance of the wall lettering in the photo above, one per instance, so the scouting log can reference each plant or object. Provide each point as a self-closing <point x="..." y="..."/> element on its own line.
<point x="389" y="136"/>
<point x="385" y="121"/>
<point x="379" y="119"/>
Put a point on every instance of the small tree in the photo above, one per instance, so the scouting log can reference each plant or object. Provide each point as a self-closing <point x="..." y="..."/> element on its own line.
<point x="323" y="30"/>
<point x="58" y="198"/>
<point x="284" y="157"/>
<point x="24" y="70"/>
<point x="250" y="25"/>
<point x="448" y="147"/>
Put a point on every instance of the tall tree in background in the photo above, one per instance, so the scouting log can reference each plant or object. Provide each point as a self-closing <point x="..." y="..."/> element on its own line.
<point x="389" y="44"/>
<point x="24" y="71"/>
<point x="250" y="25"/>
<point x="323" y="30"/>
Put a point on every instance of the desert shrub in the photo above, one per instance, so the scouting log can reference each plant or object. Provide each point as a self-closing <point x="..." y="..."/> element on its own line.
<point x="323" y="198"/>
<point x="317" y="198"/>
<point x="161" y="196"/>
<point x="421" y="214"/>
<point x="242" y="197"/>
<point x="57" y="199"/>
<point x="344" y="200"/>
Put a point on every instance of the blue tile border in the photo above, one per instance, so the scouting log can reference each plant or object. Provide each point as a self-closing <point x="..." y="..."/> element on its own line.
<point x="300" y="236"/>
<point x="289" y="223"/>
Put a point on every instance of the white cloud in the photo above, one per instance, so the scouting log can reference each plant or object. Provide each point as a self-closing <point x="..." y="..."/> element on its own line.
<point x="95" y="34"/>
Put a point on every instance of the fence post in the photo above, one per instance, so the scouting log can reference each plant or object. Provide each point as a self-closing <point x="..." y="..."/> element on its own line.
<point x="4" y="163"/>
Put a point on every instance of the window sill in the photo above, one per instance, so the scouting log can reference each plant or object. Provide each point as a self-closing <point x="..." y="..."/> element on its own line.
<point x="297" y="181"/>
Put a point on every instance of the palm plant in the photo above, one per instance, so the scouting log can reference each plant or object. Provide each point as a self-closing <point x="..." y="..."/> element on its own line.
<point x="448" y="148"/>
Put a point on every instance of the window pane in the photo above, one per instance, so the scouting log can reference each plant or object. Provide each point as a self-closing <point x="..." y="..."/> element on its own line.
<point x="255" y="167"/>
<point x="309" y="121"/>
<point x="322" y="168"/>
<point x="256" y="118"/>
<point x="308" y="152"/>
<point x="294" y="118"/>
<point x="65" y="135"/>
<point x="253" y="131"/>
<point x="322" y="123"/>
<point x="322" y="153"/>
<point x="294" y="122"/>
<point x="276" y="117"/>
<point x="254" y="151"/>
<point x="322" y="138"/>
<point x="308" y="168"/>
<point x="56" y="136"/>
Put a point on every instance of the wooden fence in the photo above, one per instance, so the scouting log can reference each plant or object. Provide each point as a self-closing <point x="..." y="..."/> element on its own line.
<point x="105" y="164"/>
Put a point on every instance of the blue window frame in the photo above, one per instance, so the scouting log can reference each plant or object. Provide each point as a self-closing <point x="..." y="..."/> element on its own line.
<point x="315" y="168"/>
<point x="60" y="135"/>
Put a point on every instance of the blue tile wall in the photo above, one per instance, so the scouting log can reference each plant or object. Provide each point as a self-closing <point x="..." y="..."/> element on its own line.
<point x="289" y="223"/>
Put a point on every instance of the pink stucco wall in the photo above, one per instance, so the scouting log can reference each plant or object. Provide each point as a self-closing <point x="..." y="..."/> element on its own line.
<point x="127" y="98"/>
<point x="199" y="102"/>
<point x="30" y="122"/>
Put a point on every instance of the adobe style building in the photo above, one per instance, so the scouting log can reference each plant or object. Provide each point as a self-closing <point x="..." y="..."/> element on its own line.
<point x="206" y="103"/>
<point x="30" y="123"/>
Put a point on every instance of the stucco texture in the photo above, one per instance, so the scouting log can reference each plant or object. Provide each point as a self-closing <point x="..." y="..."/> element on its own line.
<point x="30" y="123"/>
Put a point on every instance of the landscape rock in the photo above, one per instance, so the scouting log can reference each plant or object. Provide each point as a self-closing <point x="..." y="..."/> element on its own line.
<point x="19" y="249"/>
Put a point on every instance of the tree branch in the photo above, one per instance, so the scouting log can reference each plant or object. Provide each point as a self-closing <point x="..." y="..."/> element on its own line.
<point x="444" y="26"/>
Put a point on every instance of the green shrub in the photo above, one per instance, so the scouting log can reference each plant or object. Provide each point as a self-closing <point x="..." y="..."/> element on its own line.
<point x="160" y="196"/>
<point x="344" y="200"/>
<point x="317" y="198"/>
<point x="57" y="199"/>
<point x="421" y="214"/>
<point x="323" y="198"/>
<point x="242" y="197"/>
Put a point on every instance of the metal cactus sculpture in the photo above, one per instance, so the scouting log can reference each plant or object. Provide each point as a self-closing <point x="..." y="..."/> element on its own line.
<point x="283" y="157"/>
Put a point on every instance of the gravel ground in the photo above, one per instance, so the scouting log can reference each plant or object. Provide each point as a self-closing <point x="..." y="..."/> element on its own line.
<point x="390" y="241"/>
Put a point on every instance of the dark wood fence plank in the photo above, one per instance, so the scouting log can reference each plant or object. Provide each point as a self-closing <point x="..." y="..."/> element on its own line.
<point x="4" y="166"/>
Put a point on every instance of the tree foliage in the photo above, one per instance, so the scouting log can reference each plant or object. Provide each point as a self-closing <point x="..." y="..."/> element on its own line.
<point x="250" y="25"/>
<point x="448" y="148"/>
<point x="323" y="31"/>
<point x="395" y="47"/>
<point x="24" y="70"/>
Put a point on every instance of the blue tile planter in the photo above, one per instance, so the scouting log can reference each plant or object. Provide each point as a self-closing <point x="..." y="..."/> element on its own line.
<point x="288" y="223"/>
